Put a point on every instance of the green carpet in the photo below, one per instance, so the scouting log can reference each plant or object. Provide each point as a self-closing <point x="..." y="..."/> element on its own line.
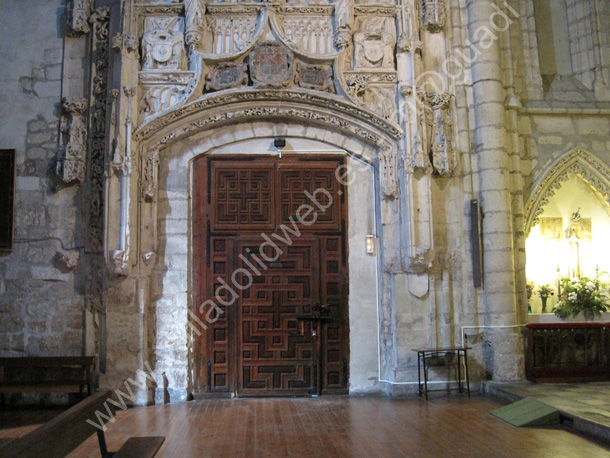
<point x="527" y="412"/>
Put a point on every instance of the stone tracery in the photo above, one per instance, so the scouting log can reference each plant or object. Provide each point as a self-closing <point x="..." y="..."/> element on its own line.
<point x="578" y="163"/>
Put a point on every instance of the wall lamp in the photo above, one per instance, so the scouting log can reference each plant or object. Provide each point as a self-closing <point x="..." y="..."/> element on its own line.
<point x="371" y="242"/>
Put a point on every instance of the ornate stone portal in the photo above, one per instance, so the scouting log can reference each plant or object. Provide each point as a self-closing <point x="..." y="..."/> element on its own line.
<point x="206" y="69"/>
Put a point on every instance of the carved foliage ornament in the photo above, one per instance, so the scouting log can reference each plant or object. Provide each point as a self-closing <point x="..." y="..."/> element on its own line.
<point x="99" y="93"/>
<point x="291" y="96"/>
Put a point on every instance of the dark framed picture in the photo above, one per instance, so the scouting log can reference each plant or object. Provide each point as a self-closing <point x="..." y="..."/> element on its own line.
<point x="7" y="197"/>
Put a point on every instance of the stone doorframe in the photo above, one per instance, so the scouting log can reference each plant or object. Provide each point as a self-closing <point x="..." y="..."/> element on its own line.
<point x="162" y="270"/>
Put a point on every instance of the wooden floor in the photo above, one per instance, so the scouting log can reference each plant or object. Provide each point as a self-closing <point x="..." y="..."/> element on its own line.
<point x="446" y="426"/>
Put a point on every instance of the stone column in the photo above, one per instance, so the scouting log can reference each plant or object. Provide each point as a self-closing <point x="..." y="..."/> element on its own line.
<point x="504" y="358"/>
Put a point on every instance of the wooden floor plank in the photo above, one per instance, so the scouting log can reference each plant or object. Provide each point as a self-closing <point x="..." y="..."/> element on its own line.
<point x="330" y="427"/>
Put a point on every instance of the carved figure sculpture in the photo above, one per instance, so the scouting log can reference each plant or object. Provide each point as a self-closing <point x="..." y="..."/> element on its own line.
<point x="163" y="44"/>
<point x="374" y="45"/>
<point x="440" y="144"/>
<point x="71" y="163"/>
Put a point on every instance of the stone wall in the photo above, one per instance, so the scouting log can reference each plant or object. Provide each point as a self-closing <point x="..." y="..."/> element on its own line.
<point x="41" y="302"/>
<point x="551" y="135"/>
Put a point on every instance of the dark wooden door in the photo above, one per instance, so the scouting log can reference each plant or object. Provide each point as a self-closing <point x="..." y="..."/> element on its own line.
<point x="270" y="259"/>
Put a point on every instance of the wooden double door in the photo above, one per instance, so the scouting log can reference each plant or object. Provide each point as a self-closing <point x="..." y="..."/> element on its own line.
<point x="271" y="276"/>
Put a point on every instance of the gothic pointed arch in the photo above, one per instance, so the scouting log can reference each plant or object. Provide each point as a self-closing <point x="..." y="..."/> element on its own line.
<point x="591" y="170"/>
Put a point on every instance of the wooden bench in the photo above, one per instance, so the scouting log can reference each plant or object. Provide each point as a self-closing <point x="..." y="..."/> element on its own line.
<point x="57" y="374"/>
<point x="64" y="433"/>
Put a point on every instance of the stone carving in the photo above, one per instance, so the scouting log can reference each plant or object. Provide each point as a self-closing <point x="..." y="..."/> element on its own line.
<point x="163" y="44"/>
<point x="227" y="75"/>
<point x="232" y="9"/>
<point x="117" y="42"/>
<point x="289" y="96"/>
<point x="161" y="90"/>
<point x="412" y="45"/>
<point x="71" y="163"/>
<point x="118" y="262"/>
<point x="127" y="42"/>
<point x="357" y="84"/>
<point x="318" y="77"/>
<point x="388" y="171"/>
<point x="145" y="9"/>
<point x="382" y="100"/>
<point x="270" y="65"/>
<point x="149" y="177"/>
<point x="99" y="98"/>
<point x="376" y="91"/>
<point x="579" y="163"/>
<point x="194" y="12"/>
<point x="440" y="139"/>
<point x="148" y="258"/>
<point x="434" y="15"/>
<point x="343" y="37"/>
<point x="374" y="45"/>
<point x="309" y="34"/>
<point x="374" y="10"/>
<point x="79" y="12"/>
<point x="66" y="261"/>
<point x="232" y="35"/>
<point x="164" y="80"/>
<point x="305" y="9"/>
<point x="416" y="113"/>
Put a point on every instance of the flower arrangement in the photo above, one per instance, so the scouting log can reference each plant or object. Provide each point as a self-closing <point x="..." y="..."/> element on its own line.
<point x="584" y="294"/>
<point x="545" y="291"/>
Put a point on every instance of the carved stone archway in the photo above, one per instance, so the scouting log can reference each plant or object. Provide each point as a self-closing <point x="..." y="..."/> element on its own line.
<point x="594" y="172"/>
<point x="234" y="117"/>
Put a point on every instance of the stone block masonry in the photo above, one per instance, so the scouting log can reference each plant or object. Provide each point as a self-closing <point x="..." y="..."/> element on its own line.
<point x="41" y="303"/>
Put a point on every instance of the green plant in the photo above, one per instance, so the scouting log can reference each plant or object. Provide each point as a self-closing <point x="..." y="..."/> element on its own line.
<point x="584" y="294"/>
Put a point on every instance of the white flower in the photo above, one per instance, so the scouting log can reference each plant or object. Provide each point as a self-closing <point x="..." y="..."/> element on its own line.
<point x="590" y="286"/>
<point x="573" y="296"/>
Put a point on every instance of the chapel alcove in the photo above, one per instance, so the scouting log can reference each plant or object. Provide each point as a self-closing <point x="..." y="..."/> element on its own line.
<point x="552" y="250"/>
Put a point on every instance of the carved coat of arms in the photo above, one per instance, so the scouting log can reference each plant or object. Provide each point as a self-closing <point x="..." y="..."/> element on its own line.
<point x="374" y="45"/>
<point x="270" y="65"/>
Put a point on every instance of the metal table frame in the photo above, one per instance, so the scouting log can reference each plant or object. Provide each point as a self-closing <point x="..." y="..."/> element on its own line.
<point x="424" y="353"/>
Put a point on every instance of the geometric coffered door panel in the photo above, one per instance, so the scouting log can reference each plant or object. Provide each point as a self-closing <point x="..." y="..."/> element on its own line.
<point x="270" y="252"/>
